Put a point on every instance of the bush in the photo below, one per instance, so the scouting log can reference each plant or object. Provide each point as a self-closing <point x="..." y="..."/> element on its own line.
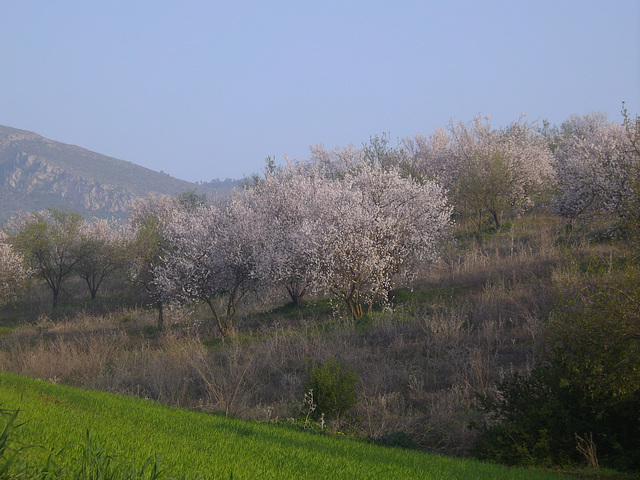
<point x="333" y="384"/>
<point x="587" y="387"/>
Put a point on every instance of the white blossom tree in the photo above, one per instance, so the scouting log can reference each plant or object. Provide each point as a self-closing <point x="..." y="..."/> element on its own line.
<point x="430" y="157"/>
<point x="14" y="274"/>
<point x="209" y="256"/>
<point x="631" y="209"/>
<point x="488" y="172"/>
<point x="284" y="203"/>
<point x="376" y="225"/>
<point x="596" y="168"/>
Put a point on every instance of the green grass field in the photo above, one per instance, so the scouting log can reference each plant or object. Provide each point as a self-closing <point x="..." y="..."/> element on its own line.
<point x="197" y="444"/>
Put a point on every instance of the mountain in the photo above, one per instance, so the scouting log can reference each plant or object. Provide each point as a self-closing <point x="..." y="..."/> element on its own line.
<point x="37" y="173"/>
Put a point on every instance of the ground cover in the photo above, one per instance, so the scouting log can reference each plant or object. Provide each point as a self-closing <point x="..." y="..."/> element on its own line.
<point x="201" y="445"/>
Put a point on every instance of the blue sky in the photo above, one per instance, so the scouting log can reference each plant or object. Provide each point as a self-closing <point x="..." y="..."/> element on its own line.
<point x="205" y="90"/>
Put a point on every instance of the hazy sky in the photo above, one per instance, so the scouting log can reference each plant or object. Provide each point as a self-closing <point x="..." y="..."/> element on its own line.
<point x="209" y="89"/>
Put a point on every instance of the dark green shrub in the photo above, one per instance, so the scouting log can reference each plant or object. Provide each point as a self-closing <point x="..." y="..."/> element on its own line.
<point x="333" y="384"/>
<point x="588" y="385"/>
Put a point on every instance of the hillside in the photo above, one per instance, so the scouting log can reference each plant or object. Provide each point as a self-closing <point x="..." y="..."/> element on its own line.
<point x="200" y="445"/>
<point x="37" y="173"/>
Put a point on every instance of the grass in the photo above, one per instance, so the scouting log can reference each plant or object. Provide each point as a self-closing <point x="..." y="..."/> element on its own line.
<point x="197" y="444"/>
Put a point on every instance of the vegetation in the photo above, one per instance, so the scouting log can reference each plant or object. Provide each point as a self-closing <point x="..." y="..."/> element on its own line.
<point x="331" y="389"/>
<point x="149" y="440"/>
<point x="411" y="318"/>
<point x="589" y="383"/>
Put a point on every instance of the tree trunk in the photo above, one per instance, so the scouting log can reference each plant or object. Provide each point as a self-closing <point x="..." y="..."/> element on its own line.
<point x="56" y="294"/>
<point x="496" y="218"/>
<point x="160" y="316"/>
<point x="296" y="295"/>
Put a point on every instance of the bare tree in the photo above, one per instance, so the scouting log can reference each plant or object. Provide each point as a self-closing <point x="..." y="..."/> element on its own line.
<point x="105" y="244"/>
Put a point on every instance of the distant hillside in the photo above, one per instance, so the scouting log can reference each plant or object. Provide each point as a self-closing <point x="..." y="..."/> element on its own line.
<point x="37" y="173"/>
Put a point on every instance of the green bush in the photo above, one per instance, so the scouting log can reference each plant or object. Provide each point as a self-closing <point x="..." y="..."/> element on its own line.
<point x="333" y="385"/>
<point x="588" y="385"/>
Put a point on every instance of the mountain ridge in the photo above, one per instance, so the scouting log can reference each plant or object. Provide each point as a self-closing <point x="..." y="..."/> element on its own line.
<point x="37" y="172"/>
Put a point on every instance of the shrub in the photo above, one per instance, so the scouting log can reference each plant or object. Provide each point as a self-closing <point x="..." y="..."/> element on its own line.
<point x="334" y="388"/>
<point x="588" y="387"/>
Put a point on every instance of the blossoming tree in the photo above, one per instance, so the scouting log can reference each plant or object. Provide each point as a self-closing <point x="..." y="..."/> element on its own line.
<point x="596" y="168"/>
<point x="14" y="274"/>
<point x="210" y="256"/>
<point x="376" y="225"/>
<point x="488" y="172"/>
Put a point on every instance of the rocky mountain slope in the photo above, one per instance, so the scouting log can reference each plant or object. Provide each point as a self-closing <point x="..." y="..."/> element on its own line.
<point x="37" y="173"/>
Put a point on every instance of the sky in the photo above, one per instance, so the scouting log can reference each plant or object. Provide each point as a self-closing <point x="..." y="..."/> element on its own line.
<point x="209" y="89"/>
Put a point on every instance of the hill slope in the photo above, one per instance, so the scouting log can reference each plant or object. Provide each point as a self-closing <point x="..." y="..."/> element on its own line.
<point x="214" y="446"/>
<point x="37" y="173"/>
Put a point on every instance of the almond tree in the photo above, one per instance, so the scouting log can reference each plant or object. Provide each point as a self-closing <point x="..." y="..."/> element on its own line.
<point x="283" y="203"/>
<point x="105" y="244"/>
<point x="376" y="225"/>
<point x="14" y="274"/>
<point x="209" y="256"/>
<point x="631" y="209"/>
<point x="430" y="157"/>
<point x="489" y="173"/>
<point x="596" y="168"/>
<point x="148" y="219"/>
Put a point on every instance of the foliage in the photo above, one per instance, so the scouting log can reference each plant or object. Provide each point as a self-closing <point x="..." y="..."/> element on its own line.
<point x="333" y="387"/>
<point x="81" y="461"/>
<point x="10" y="447"/>
<point x="50" y="242"/>
<point x="588" y="387"/>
